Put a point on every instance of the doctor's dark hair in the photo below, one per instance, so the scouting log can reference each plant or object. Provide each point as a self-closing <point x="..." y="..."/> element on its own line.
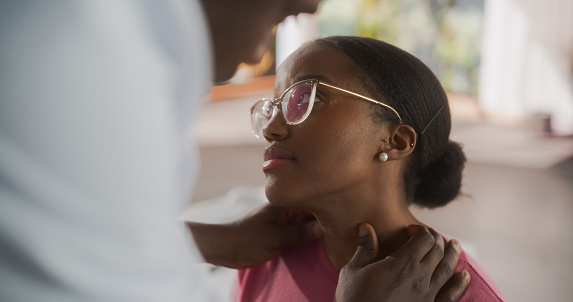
<point x="433" y="174"/>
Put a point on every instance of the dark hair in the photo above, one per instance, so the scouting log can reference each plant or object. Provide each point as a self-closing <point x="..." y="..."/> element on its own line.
<point x="434" y="173"/>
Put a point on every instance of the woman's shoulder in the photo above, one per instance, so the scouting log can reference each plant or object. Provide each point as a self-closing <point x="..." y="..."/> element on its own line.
<point x="481" y="287"/>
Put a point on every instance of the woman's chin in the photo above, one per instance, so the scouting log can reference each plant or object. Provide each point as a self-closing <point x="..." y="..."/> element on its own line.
<point x="280" y="198"/>
<point x="278" y="201"/>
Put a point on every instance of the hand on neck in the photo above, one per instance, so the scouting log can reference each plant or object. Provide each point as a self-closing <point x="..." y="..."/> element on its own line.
<point x="340" y="228"/>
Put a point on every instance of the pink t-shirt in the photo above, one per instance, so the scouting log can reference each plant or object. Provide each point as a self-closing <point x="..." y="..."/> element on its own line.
<point x="304" y="274"/>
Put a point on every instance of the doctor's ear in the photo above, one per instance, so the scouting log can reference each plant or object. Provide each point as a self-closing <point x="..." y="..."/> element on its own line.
<point x="401" y="142"/>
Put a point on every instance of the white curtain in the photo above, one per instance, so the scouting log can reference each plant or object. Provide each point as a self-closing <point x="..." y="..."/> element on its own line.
<point x="527" y="60"/>
<point x="292" y="33"/>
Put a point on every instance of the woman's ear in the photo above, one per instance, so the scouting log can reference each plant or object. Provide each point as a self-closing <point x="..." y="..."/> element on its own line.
<point x="401" y="142"/>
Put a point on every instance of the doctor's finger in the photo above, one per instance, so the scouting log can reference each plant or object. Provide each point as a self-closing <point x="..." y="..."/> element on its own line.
<point x="436" y="253"/>
<point x="367" y="249"/>
<point x="420" y="243"/>
<point x="454" y="288"/>
<point x="447" y="265"/>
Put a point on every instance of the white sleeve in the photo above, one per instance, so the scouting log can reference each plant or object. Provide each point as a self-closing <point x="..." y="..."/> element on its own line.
<point x="95" y="161"/>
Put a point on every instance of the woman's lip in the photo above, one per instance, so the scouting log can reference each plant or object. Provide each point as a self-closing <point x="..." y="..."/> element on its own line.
<point x="275" y="157"/>
<point x="274" y="163"/>
<point x="277" y="153"/>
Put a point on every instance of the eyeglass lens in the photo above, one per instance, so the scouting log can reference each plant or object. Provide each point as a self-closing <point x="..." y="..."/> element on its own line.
<point x="296" y="102"/>
<point x="294" y="105"/>
<point x="261" y="114"/>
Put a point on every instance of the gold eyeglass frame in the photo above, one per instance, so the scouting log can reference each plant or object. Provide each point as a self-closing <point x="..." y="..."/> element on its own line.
<point x="363" y="97"/>
<point x="315" y="82"/>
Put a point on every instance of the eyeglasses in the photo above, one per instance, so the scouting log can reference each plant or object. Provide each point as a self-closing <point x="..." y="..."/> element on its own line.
<point x="295" y="104"/>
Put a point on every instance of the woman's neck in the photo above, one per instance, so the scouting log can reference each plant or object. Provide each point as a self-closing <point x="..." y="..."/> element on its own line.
<point x="340" y="226"/>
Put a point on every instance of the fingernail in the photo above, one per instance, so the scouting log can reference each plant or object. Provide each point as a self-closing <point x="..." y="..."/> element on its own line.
<point x="362" y="231"/>
<point x="316" y="229"/>
<point x="456" y="244"/>
<point x="466" y="277"/>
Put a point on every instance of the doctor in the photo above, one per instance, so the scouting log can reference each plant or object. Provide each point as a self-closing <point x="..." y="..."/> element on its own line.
<point x="95" y="100"/>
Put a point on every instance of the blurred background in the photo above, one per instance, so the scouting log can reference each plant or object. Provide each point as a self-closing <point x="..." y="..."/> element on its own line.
<point x="507" y="66"/>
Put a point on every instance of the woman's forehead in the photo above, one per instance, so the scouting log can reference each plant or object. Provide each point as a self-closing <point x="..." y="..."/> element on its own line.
<point x="315" y="61"/>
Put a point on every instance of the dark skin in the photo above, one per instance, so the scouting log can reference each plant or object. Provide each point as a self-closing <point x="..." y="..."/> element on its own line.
<point x="413" y="273"/>
<point x="334" y="170"/>
<point x="256" y="238"/>
<point x="240" y="32"/>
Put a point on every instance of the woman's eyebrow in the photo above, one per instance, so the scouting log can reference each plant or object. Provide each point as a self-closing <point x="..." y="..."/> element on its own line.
<point x="303" y="77"/>
<point x="312" y="76"/>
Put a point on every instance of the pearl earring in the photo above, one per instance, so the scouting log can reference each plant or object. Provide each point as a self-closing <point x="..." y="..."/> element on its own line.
<point x="383" y="156"/>
<point x="411" y="144"/>
<point x="385" y="140"/>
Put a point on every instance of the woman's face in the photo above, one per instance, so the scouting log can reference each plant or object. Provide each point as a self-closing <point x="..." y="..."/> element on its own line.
<point x="332" y="153"/>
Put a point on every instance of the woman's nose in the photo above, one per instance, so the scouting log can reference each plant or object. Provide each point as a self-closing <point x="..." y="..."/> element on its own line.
<point x="277" y="128"/>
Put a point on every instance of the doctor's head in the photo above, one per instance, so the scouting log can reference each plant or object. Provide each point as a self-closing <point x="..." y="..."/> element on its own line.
<point x="241" y="30"/>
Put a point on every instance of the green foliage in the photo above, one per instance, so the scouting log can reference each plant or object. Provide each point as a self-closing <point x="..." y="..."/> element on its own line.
<point x="444" y="34"/>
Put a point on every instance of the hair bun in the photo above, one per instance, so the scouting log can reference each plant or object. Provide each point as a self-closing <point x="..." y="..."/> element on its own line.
<point x="441" y="180"/>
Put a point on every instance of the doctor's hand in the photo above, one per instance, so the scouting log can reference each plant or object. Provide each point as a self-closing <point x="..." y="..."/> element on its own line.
<point x="419" y="271"/>
<point x="256" y="238"/>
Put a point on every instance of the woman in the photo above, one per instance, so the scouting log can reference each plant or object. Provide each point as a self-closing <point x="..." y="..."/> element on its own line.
<point x="360" y="133"/>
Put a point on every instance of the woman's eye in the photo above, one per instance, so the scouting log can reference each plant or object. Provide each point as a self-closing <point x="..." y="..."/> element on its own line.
<point x="304" y="98"/>
<point x="301" y="95"/>
<point x="318" y="98"/>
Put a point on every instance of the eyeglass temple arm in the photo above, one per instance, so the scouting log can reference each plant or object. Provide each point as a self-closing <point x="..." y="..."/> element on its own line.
<point x="364" y="97"/>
